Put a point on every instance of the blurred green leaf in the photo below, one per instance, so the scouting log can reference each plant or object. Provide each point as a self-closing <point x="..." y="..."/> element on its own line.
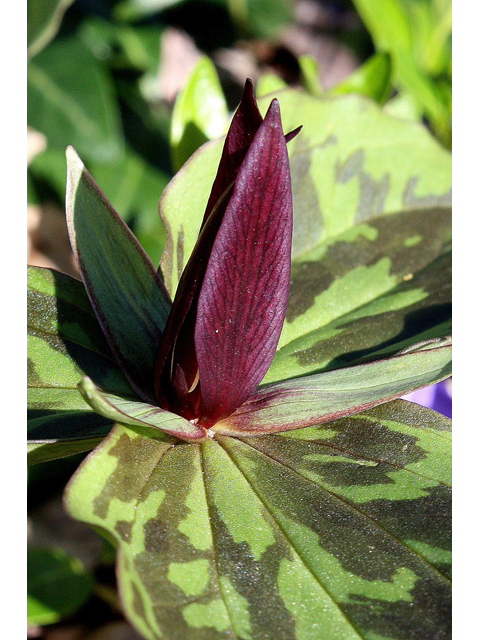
<point x="372" y="79"/>
<point x="57" y="585"/>
<point x="200" y="112"/>
<point x="71" y="100"/>
<point x="309" y="75"/>
<point x="393" y="28"/>
<point x="43" y="21"/>
<point x="261" y="18"/>
<point x="269" y="83"/>
<point x="130" y="10"/>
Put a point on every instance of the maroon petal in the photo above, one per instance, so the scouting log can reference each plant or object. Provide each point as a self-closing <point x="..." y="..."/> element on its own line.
<point x="242" y="302"/>
<point x="245" y="123"/>
<point x="176" y="369"/>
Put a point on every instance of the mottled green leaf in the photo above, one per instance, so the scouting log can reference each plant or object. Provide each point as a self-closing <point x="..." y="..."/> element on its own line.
<point x="371" y="272"/>
<point x="65" y="339"/>
<point x="347" y="316"/>
<point x="350" y="164"/>
<point x="57" y="585"/>
<point x="43" y="21"/>
<point x="65" y="342"/>
<point x="129" y="297"/>
<point x="339" y="531"/>
<point x="139" y="414"/>
<point x="199" y="114"/>
<point x="372" y="79"/>
<point x="315" y="399"/>
<point x="71" y="100"/>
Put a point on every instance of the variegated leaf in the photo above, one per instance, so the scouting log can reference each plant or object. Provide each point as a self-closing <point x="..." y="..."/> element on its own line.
<point x="350" y="164"/>
<point x="65" y="342"/>
<point x="152" y="420"/>
<point x="314" y="399"/>
<point x="339" y="531"/>
<point x="371" y="267"/>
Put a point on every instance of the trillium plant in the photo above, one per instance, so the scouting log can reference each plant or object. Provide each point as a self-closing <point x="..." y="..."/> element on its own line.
<point x="253" y="460"/>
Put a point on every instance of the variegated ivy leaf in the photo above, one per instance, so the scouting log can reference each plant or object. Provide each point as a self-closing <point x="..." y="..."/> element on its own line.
<point x="339" y="531"/>
<point x="372" y="219"/>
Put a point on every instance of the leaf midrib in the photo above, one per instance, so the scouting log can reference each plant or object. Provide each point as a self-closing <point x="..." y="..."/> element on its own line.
<point x="348" y="504"/>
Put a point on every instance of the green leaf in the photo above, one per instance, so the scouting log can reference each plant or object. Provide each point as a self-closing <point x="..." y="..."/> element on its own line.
<point x="388" y="23"/>
<point x="43" y="21"/>
<point x="71" y="100"/>
<point x="371" y="272"/>
<point x="309" y="74"/>
<point x="337" y="531"/>
<point x="269" y="83"/>
<point x="139" y="414"/>
<point x="57" y="585"/>
<point x="130" y="303"/>
<point x="317" y="398"/>
<point x="350" y="164"/>
<point x="199" y="114"/>
<point x="372" y="79"/>
<point x="65" y="342"/>
<point x="65" y="339"/>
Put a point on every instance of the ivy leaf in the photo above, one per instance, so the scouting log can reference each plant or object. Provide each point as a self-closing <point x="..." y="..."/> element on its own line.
<point x="335" y="531"/>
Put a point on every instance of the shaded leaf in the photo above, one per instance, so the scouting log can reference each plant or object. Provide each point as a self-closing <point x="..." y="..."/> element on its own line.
<point x="128" y="296"/>
<point x="320" y="532"/>
<point x="199" y="113"/>
<point x="317" y="398"/>
<point x="74" y="103"/>
<point x="139" y="414"/>
<point x="57" y="585"/>
<point x="65" y="342"/>
<point x="43" y="21"/>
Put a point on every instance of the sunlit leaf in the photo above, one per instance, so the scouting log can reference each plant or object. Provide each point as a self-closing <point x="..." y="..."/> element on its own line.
<point x="199" y="114"/>
<point x="372" y="79"/>
<point x="337" y="531"/>
<point x="351" y="163"/>
<point x="317" y="398"/>
<point x="139" y="414"/>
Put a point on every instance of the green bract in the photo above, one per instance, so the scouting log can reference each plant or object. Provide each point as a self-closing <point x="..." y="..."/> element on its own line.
<point x="265" y="530"/>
